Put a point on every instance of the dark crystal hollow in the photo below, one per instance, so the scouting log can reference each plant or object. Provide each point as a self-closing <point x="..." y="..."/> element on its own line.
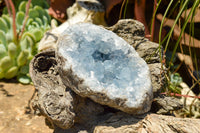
<point x="99" y="56"/>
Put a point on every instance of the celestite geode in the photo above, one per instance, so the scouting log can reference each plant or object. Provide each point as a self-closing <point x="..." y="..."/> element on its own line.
<point x="97" y="64"/>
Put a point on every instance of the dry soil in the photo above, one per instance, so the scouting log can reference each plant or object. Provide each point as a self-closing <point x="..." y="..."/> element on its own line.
<point x="14" y="118"/>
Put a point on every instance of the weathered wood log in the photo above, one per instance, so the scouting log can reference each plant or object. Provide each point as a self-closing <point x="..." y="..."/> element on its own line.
<point x="133" y="32"/>
<point x="63" y="108"/>
<point x="66" y="111"/>
<point x="152" y="123"/>
<point x="59" y="104"/>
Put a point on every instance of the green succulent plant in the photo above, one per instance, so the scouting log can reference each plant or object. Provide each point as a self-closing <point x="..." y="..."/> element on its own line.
<point x="16" y="53"/>
<point x="175" y="80"/>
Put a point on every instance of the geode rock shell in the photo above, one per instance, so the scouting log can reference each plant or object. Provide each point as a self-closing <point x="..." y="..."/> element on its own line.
<point x="97" y="64"/>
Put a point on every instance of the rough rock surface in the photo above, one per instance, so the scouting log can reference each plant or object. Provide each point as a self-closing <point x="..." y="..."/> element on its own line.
<point x="133" y="32"/>
<point x="61" y="106"/>
<point x="97" y="64"/>
<point x="152" y="123"/>
<point x="91" y="11"/>
<point x="67" y="112"/>
<point x="53" y="97"/>
<point x="86" y="115"/>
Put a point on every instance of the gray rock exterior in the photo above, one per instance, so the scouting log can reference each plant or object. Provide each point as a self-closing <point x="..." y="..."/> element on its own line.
<point x="133" y="32"/>
<point x="65" y="111"/>
<point x="97" y="64"/>
<point x="61" y="107"/>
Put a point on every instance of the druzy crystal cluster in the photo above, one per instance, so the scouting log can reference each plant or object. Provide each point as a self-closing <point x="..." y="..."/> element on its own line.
<point x="98" y="64"/>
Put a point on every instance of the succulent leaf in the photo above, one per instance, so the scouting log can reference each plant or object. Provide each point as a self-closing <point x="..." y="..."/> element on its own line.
<point x="24" y="44"/>
<point x="33" y="13"/>
<point x="39" y="21"/>
<point x="30" y="57"/>
<point x="45" y="21"/>
<point x="35" y="25"/>
<point x="31" y="44"/>
<point x="11" y="73"/>
<point x="29" y="21"/>
<point x="40" y="11"/>
<point x="27" y="43"/>
<point x="176" y="78"/>
<point x="7" y="20"/>
<point x="30" y="35"/>
<point x="34" y="50"/>
<point x="24" y="69"/>
<point x="22" y="58"/>
<point x="3" y="51"/>
<point x="17" y="3"/>
<point x="5" y="63"/>
<point x="5" y="10"/>
<point x="22" y="6"/>
<point x="24" y="79"/>
<point x="38" y="34"/>
<point x="3" y="38"/>
<point x="31" y="40"/>
<point x="1" y="73"/>
<point x="47" y="15"/>
<point x="3" y="25"/>
<point x="20" y="18"/>
<point x="12" y="50"/>
<point x="42" y="3"/>
<point x="15" y="55"/>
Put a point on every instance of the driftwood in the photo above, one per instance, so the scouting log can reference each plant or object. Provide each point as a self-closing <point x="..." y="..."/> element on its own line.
<point x="152" y="123"/>
<point x="90" y="116"/>
<point x="61" y="107"/>
<point x="66" y="111"/>
<point x="59" y="104"/>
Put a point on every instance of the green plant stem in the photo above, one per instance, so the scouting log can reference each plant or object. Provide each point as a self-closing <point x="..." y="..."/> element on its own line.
<point x="171" y="12"/>
<point x="161" y="25"/>
<point x="160" y="32"/>
<point x="195" y="57"/>
<point x="156" y="5"/>
<point x="120" y="14"/>
<point x="153" y="20"/>
<point x="8" y="7"/>
<point x="15" y="39"/>
<point x="191" y="31"/>
<point x="26" y="18"/>
<point x="180" y="95"/>
<point x="176" y="20"/>
<point x="174" y="8"/>
<point x="184" y="26"/>
<point x="125" y="9"/>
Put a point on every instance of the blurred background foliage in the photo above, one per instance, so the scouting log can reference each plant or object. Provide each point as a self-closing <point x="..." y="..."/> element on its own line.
<point x="22" y="25"/>
<point x="174" y="24"/>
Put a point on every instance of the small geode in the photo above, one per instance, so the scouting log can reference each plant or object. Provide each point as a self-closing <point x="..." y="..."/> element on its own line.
<point x="96" y="63"/>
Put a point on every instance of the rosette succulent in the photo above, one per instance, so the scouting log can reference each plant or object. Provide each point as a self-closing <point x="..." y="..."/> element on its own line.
<point x="16" y="50"/>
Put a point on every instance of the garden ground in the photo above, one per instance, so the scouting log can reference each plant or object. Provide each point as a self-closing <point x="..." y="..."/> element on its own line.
<point x="14" y="99"/>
